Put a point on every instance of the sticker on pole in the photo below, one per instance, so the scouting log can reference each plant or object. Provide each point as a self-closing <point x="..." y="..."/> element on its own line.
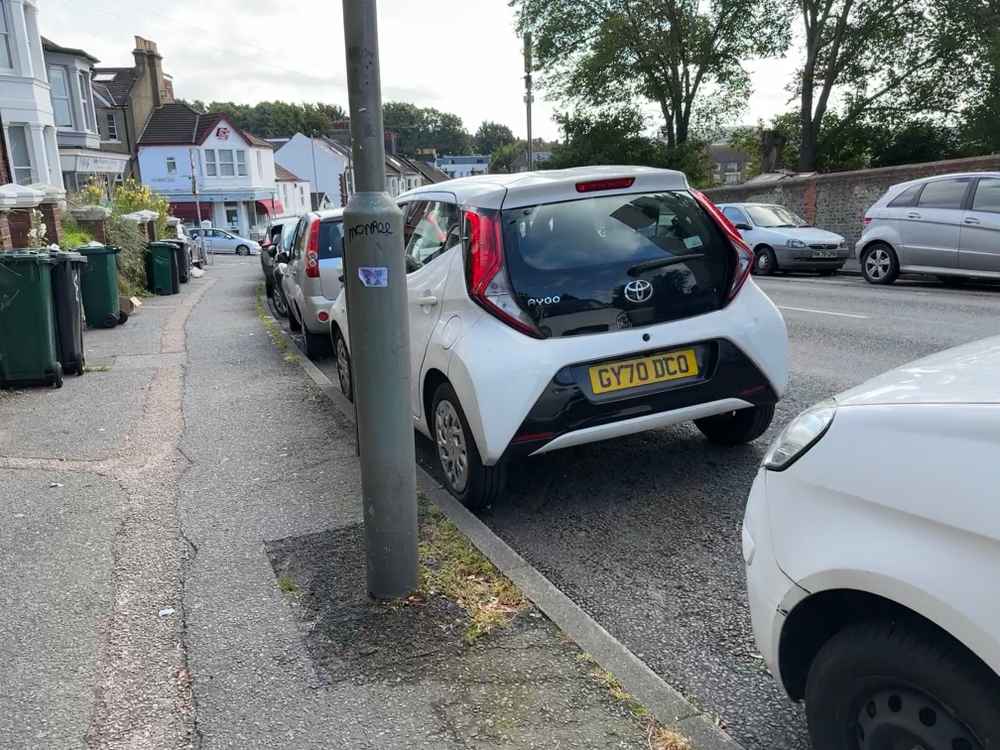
<point x="374" y="276"/>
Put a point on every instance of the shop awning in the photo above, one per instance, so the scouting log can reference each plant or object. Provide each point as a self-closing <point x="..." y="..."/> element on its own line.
<point x="189" y="211"/>
<point x="272" y="207"/>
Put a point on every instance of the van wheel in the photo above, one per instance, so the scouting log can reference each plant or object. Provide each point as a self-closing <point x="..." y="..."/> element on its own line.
<point x="899" y="684"/>
<point x="737" y="427"/>
<point x="344" y="374"/>
<point x="475" y="485"/>
<point x="765" y="263"/>
<point x="879" y="263"/>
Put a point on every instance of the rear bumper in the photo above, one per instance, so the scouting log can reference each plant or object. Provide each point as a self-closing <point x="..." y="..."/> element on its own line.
<point x="313" y="305"/>
<point x="567" y="413"/>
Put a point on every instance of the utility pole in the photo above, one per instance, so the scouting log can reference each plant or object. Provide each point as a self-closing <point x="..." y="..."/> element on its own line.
<point x="375" y="276"/>
<point x="528" y="98"/>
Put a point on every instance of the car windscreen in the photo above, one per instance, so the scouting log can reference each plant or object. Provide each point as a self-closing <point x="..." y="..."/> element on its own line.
<point x="331" y="240"/>
<point x="774" y="216"/>
<point x="616" y="261"/>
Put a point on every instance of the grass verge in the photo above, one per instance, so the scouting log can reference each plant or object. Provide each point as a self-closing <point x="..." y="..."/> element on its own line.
<point x="273" y="330"/>
<point x="451" y="566"/>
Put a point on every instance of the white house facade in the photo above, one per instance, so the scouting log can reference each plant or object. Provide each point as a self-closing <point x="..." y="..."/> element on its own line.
<point x="29" y="129"/>
<point x="293" y="192"/>
<point x="463" y="166"/>
<point x="322" y="162"/>
<point x="203" y="162"/>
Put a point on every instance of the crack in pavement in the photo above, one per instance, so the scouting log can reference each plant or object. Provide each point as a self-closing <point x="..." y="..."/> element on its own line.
<point x="143" y="693"/>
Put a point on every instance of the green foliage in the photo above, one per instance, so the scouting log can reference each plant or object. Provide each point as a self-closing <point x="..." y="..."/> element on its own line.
<point x="502" y="159"/>
<point x="491" y="136"/>
<point x="421" y="128"/>
<point x="125" y="235"/>
<point x="685" y="56"/>
<point x="615" y="136"/>
<point x="132" y="196"/>
<point x="277" y="119"/>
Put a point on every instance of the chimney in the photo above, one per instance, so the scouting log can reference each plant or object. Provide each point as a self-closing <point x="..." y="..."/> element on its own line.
<point x="146" y="54"/>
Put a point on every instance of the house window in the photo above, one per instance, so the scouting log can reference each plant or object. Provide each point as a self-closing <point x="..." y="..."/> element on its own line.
<point x="260" y="165"/>
<point x="6" y="60"/>
<point x="233" y="214"/>
<point x="112" y="123"/>
<point x="241" y="163"/>
<point x="171" y="166"/>
<point x="226" y="166"/>
<point x="59" y="85"/>
<point x="20" y="156"/>
<point x="87" y="102"/>
<point x="210" y="168"/>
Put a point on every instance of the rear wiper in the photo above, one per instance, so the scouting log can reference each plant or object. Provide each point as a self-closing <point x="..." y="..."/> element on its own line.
<point x="649" y="265"/>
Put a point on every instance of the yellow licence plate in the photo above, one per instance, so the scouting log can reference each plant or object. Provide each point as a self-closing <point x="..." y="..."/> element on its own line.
<point x="632" y="373"/>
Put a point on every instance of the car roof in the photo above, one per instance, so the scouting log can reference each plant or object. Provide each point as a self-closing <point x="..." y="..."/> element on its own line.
<point x="328" y="213"/>
<point x="966" y="374"/>
<point x="937" y="177"/>
<point x="548" y="186"/>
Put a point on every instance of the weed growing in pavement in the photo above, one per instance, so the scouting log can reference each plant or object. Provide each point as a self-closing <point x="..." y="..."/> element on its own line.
<point x="287" y="584"/>
<point x="452" y="567"/>
<point x="658" y="737"/>
<point x="97" y="368"/>
<point x="273" y="330"/>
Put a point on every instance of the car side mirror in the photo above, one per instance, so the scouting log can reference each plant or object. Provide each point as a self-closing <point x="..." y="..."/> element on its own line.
<point x="281" y="257"/>
<point x="744" y="227"/>
<point x="411" y="264"/>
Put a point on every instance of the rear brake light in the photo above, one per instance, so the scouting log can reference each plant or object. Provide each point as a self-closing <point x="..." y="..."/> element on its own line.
<point x="312" y="251"/>
<point x="487" y="279"/>
<point x="614" y="183"/>
<point x="744" y="255"/>
<point x="867" y="220"/>
<point x="323" y="316"/>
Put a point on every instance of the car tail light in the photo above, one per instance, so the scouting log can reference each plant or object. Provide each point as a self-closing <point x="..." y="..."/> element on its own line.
<point x="744" y="255"/>
<point x="486" y="276"/>
<point x="312" y="251"/>
<point x="866" y="221"/>
<point x="614" y="183"/>
<point x="322" y="316"/>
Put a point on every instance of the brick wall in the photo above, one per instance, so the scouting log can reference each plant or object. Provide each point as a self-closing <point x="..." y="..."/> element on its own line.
<point x="20" y="224"/>
<point x="838" y="201"/>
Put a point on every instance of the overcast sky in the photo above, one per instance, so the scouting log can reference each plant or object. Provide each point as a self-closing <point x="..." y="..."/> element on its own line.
<point x="460" y="56"/>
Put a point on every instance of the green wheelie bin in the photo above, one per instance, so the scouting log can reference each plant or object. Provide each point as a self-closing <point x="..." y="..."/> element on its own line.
<point x="27" y="325"/>
<point x="162" y="272"/>
<point x="99" y="285"/>
<point x="68" y="306"/>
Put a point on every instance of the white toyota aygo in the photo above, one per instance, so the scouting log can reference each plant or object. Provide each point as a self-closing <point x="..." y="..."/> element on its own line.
<point x="552" y="309"/>
<point x="872" y="546"/>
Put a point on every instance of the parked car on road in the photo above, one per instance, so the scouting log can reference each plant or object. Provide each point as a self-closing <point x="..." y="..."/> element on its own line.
<point x="784" y="241"/>
<point x="948" y="225"/>
<point x="311" y="280"/>
<point x="872" y="544"/>
<point x="558" y="308"/>
<point x="220" y="241"/>
<point x="277" y="238"/>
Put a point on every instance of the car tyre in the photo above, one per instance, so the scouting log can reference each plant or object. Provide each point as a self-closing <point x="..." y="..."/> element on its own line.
<point x="879" y="264"/>
<point x="765" y="262"/>
<point x="279" y="302"/>
<point x="317" y="345"/>
<point x="476" y="486"/>
<point x="904" y="677"/>
<point x="293" y="322"/>
<point x="243" y="250"/>
<point x="737" y="427"/>
<point x="344" y="373"/>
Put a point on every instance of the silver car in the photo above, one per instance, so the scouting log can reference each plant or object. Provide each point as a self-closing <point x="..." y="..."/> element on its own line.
<point x="947" y="225"/>
<point x="220" y="241"/>
<point x="784" y="241"/>
<point x="311" y="279"/>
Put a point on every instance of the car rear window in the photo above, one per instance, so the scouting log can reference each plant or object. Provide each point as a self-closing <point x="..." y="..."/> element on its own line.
<point x="571" y="263"/>
<point x="331" y="239"/>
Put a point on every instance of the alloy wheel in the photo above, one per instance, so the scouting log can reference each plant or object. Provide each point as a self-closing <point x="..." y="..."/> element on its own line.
<point x="452" y="450"/>
<point x="343" y="367"/>
<point x="908" y="719"/>
<point x="763" y="263"/>
<point x="878" y="263"/>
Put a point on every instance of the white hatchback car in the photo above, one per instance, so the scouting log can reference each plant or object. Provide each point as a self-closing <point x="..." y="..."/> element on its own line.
<point x="872" y="546"/>
<point x="552" y="309"/>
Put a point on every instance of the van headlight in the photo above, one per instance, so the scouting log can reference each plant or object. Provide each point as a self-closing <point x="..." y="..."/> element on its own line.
<point x="801" y="434"/>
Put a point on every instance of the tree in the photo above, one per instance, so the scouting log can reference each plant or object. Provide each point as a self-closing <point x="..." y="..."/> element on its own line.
<point x="491" y="136"/>
<point x="891" y="59"/>
<point x="426" y="128"/>
<point x="980" y="131"/>
<point x="277" y="119"/>
<point x="502" y="158"/>
<point x="683" y="55"/>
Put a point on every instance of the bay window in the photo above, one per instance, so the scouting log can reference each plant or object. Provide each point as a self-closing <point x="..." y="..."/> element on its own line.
<point x="20" y="154"/>
<point x="6" y="57"/>
<point x="210" y="169"/>
<point x="226" y="166"/>
<point x="241" y="163"/>
<point x="61" y="103"/>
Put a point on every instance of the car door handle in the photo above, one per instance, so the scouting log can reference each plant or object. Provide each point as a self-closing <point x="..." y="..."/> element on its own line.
<point x="427" y="299"/>
<point x="972" y="220"/>
<point x="913" y="215"/>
